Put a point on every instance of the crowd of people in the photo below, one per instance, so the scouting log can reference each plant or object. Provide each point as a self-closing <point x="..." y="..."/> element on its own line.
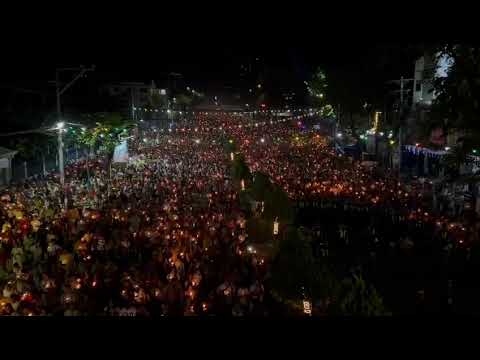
<point x="372" y="221"/>
<point x="165" y="233"/>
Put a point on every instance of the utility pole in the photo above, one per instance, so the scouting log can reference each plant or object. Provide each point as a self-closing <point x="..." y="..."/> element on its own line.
<point x="400" y="129"/>
<point x="132" y="99"/>
<point x="401" y="82"/>
<point x="335" y="126"/>
<point x="59" y="91"/>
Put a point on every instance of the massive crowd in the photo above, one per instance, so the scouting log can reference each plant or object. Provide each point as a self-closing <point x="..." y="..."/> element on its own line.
<point x="165" y="234"/>
<point x="369" y="220"/>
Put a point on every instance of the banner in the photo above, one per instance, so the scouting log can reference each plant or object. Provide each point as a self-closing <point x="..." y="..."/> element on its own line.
<point x="120" y="154"/>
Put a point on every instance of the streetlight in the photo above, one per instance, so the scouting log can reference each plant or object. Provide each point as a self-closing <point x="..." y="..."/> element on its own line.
<point x="61" y="124"/>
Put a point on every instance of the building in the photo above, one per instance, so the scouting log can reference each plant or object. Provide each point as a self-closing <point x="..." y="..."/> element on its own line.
<point x="428" y="68"/>
<point x="6" y="157"/>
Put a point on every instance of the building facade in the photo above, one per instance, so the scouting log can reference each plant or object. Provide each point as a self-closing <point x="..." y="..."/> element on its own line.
<point x="428" y="68"/>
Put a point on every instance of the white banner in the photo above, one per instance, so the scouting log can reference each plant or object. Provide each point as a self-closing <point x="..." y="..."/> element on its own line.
<point x="120" y="154"/>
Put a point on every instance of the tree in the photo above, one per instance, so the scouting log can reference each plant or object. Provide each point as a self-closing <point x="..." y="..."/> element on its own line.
<point x="34" y="146"/>
<point x="360" y="79"/>
<point x="317" y="88"/>
<point x="457" y="95"/>
<point x="338" y="90"/>
<point x="261" y="186"/>
<point x="184" y="101"/>
<point x="30" y="145"/>
<point x="240" y="170"/>
<point x="104" y="130"/>
<point x="360" y="299"/>
<point x="296" y="273"/>
<point x="456" y="107"/>
<point x="278" y="206"/>
<point x="293" y="267"/>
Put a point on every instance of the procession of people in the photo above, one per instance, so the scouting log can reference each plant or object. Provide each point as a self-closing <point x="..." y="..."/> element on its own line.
<point x="165" y="234"/>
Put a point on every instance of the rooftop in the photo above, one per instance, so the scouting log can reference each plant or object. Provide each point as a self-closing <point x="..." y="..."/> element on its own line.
<point x="5" y="151"/>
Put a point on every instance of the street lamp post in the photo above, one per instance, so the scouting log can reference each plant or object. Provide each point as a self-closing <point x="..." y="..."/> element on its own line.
<point x="60" y="126"/>
<point x="60" y="123"/>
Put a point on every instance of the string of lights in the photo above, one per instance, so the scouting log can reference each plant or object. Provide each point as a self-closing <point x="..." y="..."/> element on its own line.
<point x="272" y="111"/>
<point x="227" y="127"/>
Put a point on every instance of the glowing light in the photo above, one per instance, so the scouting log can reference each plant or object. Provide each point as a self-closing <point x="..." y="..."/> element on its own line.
<point x="262" y="140"/>
<point x="339" y="135"/>
<point x="307" y="307"/>
<point x="375" y="122"/>
<point x="447" y="148"/>
<point x="197" y="141"/>
<point x="275" y="227"/>
<point x="60" y="125"/>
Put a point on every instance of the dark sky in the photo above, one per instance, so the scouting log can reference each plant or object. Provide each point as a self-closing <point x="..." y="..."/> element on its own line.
<point x="198" y="40"/>
<point x="205" y="56"/>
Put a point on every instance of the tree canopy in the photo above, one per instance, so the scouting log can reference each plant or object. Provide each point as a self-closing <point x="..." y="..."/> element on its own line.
<point x="458" y="94"/>
<point x="104" y="130"/>
<point x="456" y="105"/>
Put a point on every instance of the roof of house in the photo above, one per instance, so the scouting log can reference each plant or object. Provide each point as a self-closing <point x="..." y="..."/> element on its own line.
<point x="5" y="152"/>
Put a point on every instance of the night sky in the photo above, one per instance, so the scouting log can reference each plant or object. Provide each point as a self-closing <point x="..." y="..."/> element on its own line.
<point x="202" y="62"/>
<point x="208" y="54"/>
